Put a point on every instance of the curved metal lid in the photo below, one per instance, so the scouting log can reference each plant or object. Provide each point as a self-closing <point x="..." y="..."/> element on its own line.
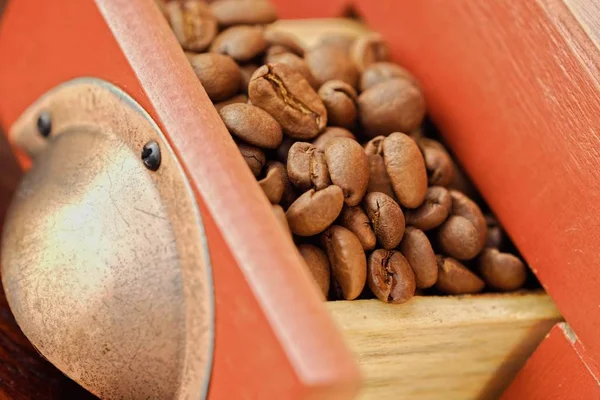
<point x="104" y="260"/>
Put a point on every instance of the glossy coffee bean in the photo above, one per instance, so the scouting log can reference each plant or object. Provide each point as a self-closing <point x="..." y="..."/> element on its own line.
<point x="294" y="61"/>
<point x="340" y="100"/>
<point x="274" y="182"/>
<point x="455" y="278"/>
<point x="495" y="233"/>
<point x="417" y="250"/>
<point x="318" y="264"/>
<point x="383" y="71"/>
<point x="252" y="125"/>
<point x="314" y="211"/>
<point x="242" y="43"/>
<point x="288" y="97"/>
<point x="243" y="12"/>
<point x="347" y="260"/>
<point x="406" y="168"/>
<point x="501" y="271"/>
<point x="396" y="105"/>
<point x="255" y="157"/>
<point x="348" y="168"/>
<point x="331" y="132"/>
<point x="219" y="74"/>
<point x="246" y="72"/>
<point x="356" y="221"/>
<point x="458" y="238"/>
<point x="465" y="207"/>
<point x="368" y="49"/>
<point x="192" y="22"/>
<point x="237" y="99"/>
<point x="379" y="180"/>
<point x="307" y="167"/>
<point x="281" y="38"/>
<point x="434" y="210"/>
<point x="439" y="164"/>
<point x="329" y="63"/>
<point x="390" y="276"/>
<point x="386" y="219"/>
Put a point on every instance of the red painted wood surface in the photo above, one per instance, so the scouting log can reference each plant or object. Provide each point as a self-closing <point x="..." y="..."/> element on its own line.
<point x="514" y="87"/>
<point x="274" y="338"/>
<point x="556" y="371"/>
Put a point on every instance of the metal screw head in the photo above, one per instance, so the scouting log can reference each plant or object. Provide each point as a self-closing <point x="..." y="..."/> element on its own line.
<point x="44" y="123"/>
<point x="151" y="155"/>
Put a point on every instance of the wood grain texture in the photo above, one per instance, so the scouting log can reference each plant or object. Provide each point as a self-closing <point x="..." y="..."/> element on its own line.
<point x="556" y="371"/>
<point x="444" y="347"/>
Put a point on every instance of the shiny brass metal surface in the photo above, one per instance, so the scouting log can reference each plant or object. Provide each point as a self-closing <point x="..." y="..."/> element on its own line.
<point x="104" y="261"/>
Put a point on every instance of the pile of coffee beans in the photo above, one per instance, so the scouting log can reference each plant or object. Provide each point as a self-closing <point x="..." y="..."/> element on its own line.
<point x="334" y="135"/>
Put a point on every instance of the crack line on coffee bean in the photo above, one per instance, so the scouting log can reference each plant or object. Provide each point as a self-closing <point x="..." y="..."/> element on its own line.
<point x="287" y="97"/>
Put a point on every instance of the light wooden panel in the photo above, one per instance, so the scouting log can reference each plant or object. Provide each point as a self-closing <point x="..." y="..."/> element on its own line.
<point x="444" y="347"/>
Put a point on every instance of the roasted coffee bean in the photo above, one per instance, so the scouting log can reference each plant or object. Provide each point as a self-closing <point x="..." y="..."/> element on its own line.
<point x="246" y="72"/>
<point x="396" y="105"/>
<point x="237" y="99"/>
<point x="440" y="168"/>
<point x="458" y="238"/>
<point x="281" y="154"/>
<point x="192" y="22"/>
<point x="318" y="264"/>
<point x="340" y="100"/>
<point x="314" y="211"/>
<point x="255" y="158"/>
<point x="252" y="125"/>
<point x="379" y="180"/>
<point x="288" y="97"/>
<point x="243" y="12"/>
<point x="347" y="260"/>
<point x="495" y="234"/>
<point x="386" y="218"/>
<point x="383" y="71"/>
<point x="465" y="207"/>
<point x="280" y="215"/>
<point x="455" y="278"/>
<point x="296" y="63"/>
<point x="356" y="221"/>
<point x="434" y="210"/>
<point x="368" y="49"/>
<point x="307" y="167"/>
<point x="417" y="250"/>
<point x="406" y="168"/>
<point x="390" y="276"/>
<point x="219" y="74"/>
<point x="501" y="271"/>
<point x="329" y="63"/>
<point x="348" y="168"/>
<point x="278" y="37"/>
<point x="331" y="132"/>
<point x="273" y="184"/>
<point x="242" y="42"/>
